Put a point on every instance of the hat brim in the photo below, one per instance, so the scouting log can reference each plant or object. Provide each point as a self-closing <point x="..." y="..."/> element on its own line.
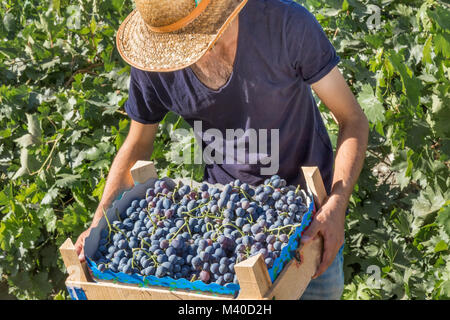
<point x="161" y="52"/>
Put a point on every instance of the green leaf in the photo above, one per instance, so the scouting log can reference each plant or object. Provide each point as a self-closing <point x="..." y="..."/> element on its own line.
<point x="56" y="5"/>
<point x="442" y="44"/>
<point x="24" y="164"/>
<point x="4" y="198"/>
<point x="93" y="153"/>
<point x="9" y="22"/>
<point x="441" y="246"/>
<point x="345" y="5"/>
<point x="372" y="107"/>
<point x="445" y="289"/>
<point x="34" y="127"/>
<point x="427" y="50"/>
<point x="444" y="218"/>
<point x="50" y="196"/>
<point x="411" y="85"/>
<point x="98" y="191"/>
<point x="66" y="180"/>
<point x="441" y="16"/>
<point x="418" y="132"/>
<point x="440" y="116"/>
<point x="26" y="140"/>
<point x="47" y="215"/>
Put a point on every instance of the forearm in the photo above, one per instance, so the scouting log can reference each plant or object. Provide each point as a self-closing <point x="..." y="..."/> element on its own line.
<point x="119" y="177"/>
<point x="350" y="154"/>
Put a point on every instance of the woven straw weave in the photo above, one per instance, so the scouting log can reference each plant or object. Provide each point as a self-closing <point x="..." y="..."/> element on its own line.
<point x="163" y="12"/>
<point x="152" y="51"/>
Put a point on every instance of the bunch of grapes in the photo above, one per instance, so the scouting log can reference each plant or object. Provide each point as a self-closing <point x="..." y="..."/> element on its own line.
<point x="201" y="233"/>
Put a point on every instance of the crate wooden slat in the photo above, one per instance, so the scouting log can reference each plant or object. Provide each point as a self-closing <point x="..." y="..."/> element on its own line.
<point x="105" y="291"/>
<point x="142" y="171"/>
<point x="75" y="269"/>
<point x="296" y="275"/>
<point x="252" y="273"/>
<point x="253" y="277"/>
<point x="315" y="183"/>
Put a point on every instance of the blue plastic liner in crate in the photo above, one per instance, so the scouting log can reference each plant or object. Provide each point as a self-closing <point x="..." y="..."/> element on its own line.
<point x="287" y="254"/>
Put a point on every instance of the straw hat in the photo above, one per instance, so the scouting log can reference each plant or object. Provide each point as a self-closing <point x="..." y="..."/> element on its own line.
<point x="168" y="35"/>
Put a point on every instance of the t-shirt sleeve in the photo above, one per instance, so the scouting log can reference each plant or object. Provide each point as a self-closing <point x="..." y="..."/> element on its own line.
<point x="309" y="50"/>
<point x="143" y="104"/>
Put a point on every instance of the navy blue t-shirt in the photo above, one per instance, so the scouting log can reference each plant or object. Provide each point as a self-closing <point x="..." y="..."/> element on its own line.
<point x="281" y="51"/>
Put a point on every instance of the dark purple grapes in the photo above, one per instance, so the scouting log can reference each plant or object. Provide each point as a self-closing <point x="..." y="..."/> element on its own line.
<point x="201" y="233"/>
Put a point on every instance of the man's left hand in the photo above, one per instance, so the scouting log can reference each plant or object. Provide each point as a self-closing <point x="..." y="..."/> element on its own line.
<point x="329" y="223"/>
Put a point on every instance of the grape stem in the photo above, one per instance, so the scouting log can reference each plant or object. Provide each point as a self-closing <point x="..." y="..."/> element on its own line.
<point x="154" y="260"/>
<point x="284" y="227"/>
<point x="109" y="225"/>
<point x="247" y="252"/>
<point x="269" y="185"/>
<point x="132" y="258"/>
<point x="117" y="215"/>
<point x="194" y="209"/>
<point x="142" y="240"/>
<point x="228" y="224"/>
<point x="177" y="186"/>
<point x="154" y="224"/>
<point x="246" y="195"/>
<point x="178" y="231"/>
<point x="116" y="228"/>
<point x="152" y="256"/>
<point x="209" y="224"/>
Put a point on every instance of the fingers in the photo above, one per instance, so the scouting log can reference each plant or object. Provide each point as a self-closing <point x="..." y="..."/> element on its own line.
<point x="329" y="253"/>
<point x="79" y="247"/>
<point x="81" y="255"/>
<point x="310" y="232"/>
<point x="326" y="262"/>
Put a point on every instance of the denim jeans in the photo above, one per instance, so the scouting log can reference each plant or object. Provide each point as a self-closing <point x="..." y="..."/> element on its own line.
<point x="329" y="285"/>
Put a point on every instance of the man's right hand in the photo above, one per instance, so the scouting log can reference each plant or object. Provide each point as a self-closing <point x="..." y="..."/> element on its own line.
<point x="137" y="146"/>
<point x="79" y="245"/>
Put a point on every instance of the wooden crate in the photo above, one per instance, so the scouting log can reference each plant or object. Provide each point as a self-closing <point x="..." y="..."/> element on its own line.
<point x="252" y="274"/>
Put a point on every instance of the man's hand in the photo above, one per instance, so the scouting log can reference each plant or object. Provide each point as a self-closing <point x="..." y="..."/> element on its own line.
<point x="137" y="146"/>
<point x="329" y="223"/>
<point x="79" y="245"/>
<point x="350" y="152"/>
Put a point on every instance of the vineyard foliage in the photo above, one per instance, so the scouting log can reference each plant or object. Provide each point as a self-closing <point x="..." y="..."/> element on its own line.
<point x="63" y="87"/>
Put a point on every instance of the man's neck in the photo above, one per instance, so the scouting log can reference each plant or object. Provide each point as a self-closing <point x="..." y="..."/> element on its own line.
<point x="216" y="66"/>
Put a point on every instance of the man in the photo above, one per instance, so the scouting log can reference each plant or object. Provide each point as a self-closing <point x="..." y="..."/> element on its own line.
<point x="251" y="65"/>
